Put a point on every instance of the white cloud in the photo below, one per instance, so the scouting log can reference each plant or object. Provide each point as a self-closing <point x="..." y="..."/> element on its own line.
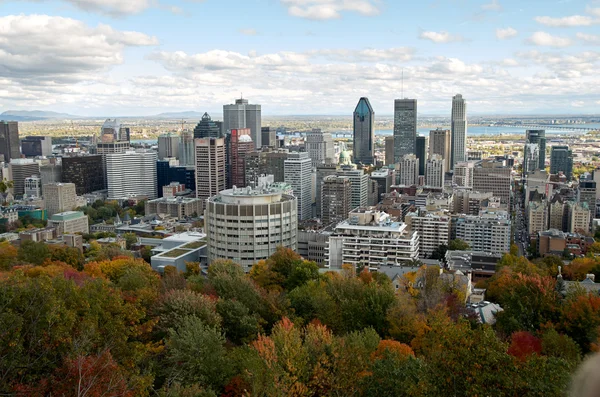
<point x="440" y="37"/>
<point x="509" y="62"/>
<point x="577" y="104"/>
<point x="589" y="38"/>
<point x="593" y="11"/>
<point x="401" y="54"/>
<point x="248" y="32"/>
<point x="565" y="22"/>
<point x="329" y="9"/>
<point x="546" y="39"/>
<point x="492" y="6"/>
<point x="507" y="33"/>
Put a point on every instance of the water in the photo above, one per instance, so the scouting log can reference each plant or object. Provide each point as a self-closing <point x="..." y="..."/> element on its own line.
<point x="480" y="130"/>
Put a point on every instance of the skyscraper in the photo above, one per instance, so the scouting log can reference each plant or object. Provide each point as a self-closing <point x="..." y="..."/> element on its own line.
<point x="268" y="136"/>
<point x="59" y="197"/>
<point x="207" y="128"/>
<point x="84" y="171"/>
<point x="240" y="144"/>
<point x="389" y="150"/>
<point x="19" y="170"/>
<point x="9" y="140"/>
<point x="405" y="127"/>
<point x="439" y="143"/>
<point x="531" y="158"/>
<point x="132" y="173"/>
<point x="186" y="149"/>
<point x="336" y="198"/>
<point x="364" y="132"/>
<point x="434" y="172"/>
<point x="561" y="159"/>
<point x="319" y="146"/>
<point x="33" y="146"/>
<point x="538" y="137"/>
<point x="359" y="181"/>
<point x="409" y="170"/>
<point x="421" y="152"/>
<point x="459" y="130"/>
<point x="210" y="167"/>
<point x="298" y="173"/>
<point x="168" y="145"/>
<point x="243" y="115"/>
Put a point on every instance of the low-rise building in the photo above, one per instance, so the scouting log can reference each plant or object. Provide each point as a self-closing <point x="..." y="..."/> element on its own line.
<point x="70" y="222"/>
<point x="177" y="207"/>
<point x="481" y="265"/>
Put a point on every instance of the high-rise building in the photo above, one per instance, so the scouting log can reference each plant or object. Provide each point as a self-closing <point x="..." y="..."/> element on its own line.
<point x="531" y="158"/>
<point x="405" y="127"/>
<point x="409" y="170"/>
<point x="114" y="131"/>
<point x="243" y="115"/>
<point x="434" y="171"/>
<point x="579" y="216"/>
<point x="239" y="145"/>
<point x="114" y="138"/>
<point x="538" y="137"/>
<point x="389" y="150"/>
<point x="19" y="170"/>
<point x="561" y="160"/>
<point x="537" y="217"/>
<point x="433" y="231"/>
<point x="247" y="225"/>
<point x="168" y="146"/>
<point x="207" y="128"/>
<point x="33" y="146"/>
<point x="52" y="171"/>
<point x="586" y="192"/>
<point x="322" y="171"/>
<point x="266" y="161"/>
<point x="364" y="132"/>
<point x="298" y="173"/>
<point x="9" y="140"/>
<point x="211" y="177"/>
<point x="421" y="153"/>
<point x="268" y="136"/>
<point x="359" y="181"/>
<point x="336" y="198"/>
<point x="59" y="197"/>
<point x="385" y="178"/>
<point x="186" y="149"/>
<point x="84" y="171"/>
<point x="458" y="130"/>
<point x="319" y="146"/>
<point x="33" y="186"/>
<point x="439" y="143"/>
<point x="495" y="177"/>
<point x="488" y="232"/>
<point x="132" y="173"/>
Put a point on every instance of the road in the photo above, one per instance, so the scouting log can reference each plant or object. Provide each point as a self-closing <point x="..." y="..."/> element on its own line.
<point x="521" y="238"/>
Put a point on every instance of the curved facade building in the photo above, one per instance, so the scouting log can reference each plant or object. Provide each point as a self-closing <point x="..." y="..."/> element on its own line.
<point x="246" y="225"/>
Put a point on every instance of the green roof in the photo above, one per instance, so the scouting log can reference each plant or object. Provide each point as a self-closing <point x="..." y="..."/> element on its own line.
<point x="67" y="216"/>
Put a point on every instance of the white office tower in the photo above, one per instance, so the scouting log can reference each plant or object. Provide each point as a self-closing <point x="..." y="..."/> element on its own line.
<point x="434" y="171"/>
<point x="243" y="115"/>
<point x="298" y="173"/>
<point x="168" y="146"/>
<point x="463" y="174"/>
<point x="433" y="230"/>
<point x="210" y="167"/>
<point x="488" y="232"/>
<point x="458" y="130"/>
<point x="247" y="225"/>
<point x="187" y="149"/>
<point x="409" y="170"/>
<point x="359" y="182"/>
<point x="130" y="174"/>
<point x="319" y="146"/>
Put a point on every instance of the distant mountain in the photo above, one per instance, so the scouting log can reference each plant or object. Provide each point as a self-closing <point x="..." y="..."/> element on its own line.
<point x="32" y="115"/>
<point x="179" y="115"/>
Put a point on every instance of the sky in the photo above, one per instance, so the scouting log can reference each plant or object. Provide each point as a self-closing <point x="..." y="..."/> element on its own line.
<point x="299" y="57"/>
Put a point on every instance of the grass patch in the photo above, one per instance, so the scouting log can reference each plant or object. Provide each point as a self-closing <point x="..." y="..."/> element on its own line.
<point x="174" y="253"/>
<point x="195" y="244"/>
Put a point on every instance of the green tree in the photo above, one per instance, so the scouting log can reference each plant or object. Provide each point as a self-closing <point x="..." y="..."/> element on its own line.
<point x="458" y="245"/>
<point x="130" y="240"/>
<point x="33" y="252"/>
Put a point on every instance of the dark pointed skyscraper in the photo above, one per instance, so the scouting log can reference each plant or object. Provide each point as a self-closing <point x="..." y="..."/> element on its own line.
<point x="207" y="128"/>
<point x="364" y="132"/>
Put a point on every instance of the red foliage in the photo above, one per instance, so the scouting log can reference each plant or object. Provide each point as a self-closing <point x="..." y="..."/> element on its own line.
<point x="523" y="345"/>
<point x="236" y="387"/>
<point x="78" y="278"/>
<point x="401" y="350"/>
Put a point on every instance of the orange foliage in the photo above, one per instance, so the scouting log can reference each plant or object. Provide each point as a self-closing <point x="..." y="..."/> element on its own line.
<point x="365" y="276"/>
<point x="578" y="268"/>
<point x="400" y="350"/>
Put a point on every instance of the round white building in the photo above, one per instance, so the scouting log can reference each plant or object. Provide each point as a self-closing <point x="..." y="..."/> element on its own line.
<point x="246" y="225"/>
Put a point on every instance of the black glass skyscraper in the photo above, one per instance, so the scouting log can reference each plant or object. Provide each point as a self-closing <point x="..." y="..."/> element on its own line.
<point x="561" y="159"/>
<point x="207" y="128"/>
<point x="405" y="127"/>
<point x="364" y="132"/>
<point x="421" y="153"/>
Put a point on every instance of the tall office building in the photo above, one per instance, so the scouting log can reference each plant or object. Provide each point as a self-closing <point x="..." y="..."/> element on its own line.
<point x="359" y="181"/>
<point x="19" y="170"/>
<point x="247" y="226"/>
<point x="266" y="161"/>
<point x="336" y="198"/>
<point x="298" y="173"/>
<point x="114" y="131"/>
<point x="364" y="132"/>
<point x="243" y="115"/>
<point x="207" y="128"/>
<point x="463" y="174"/>
<point x="239" y="145"/>
<point x="586" y="192"/>
<point x="52" y="171"/>
<point x="531" y="158"/>
<point x="421" y="153"/>
<point x="561" y="159"/>
<point x="409" y="170"/>
<point x="84" y="171"/>
<point x="132" y="173"/>
<point x="458" y="130"/>
<point x="9" y="140"/>
<point x="405" y="127"/>
<point x="434" y="172"/>
<point x="439" y="143"/>
<point x="493" y="176"/>
<point x="114" y="138"/>
<point x="186" y="149"/>
<point x="319" y="146"/>
<point x="211" y="177"/>
<point x="168" y="146"/>
<point x="33" y="186"/>
<point x="33" y="146"/>
<point x="59" y="197"/>
<point x="389" y="150"/>
<point x="322" y="171"/>
<point x="268" y="136"/>
<point x="538" y="137"/>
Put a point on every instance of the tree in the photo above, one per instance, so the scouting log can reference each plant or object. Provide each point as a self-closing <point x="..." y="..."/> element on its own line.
<point x="178" y="305"/>
<point x="523" y="344"/>
<point x="69" y="255"/>
<point x="458" y="245"/>
<point x="8" y="255"/>
<point x="33" y="252"/>
<point x="130" y="240"/>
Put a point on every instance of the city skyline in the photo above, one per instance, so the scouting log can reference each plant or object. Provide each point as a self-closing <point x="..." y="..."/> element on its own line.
<point x="99" y="57"/>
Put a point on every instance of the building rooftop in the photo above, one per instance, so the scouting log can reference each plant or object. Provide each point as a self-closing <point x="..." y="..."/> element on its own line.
<point x="67" y="216"/>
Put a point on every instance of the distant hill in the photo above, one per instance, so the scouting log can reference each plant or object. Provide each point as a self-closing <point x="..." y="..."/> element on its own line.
<point x="179" y="115"/>
<point x="32" y="115"/>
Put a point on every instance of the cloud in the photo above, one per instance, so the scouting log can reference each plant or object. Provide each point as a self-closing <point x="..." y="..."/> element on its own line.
<point x="589" y="38"/>
<point x="401" y="54"/>
<point x="509" y="62"/>
<point x="440" y="37"/>
<point x="577" y="104"/>
<point x="329" y="9"/>
<point x="248" y="32"/>
<point x="507" y="33"/>
<point x="546" y="39"/>
<point x="565" y="22"/>
<point x="493" y="6"/>
<point x="593" y="11"/>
